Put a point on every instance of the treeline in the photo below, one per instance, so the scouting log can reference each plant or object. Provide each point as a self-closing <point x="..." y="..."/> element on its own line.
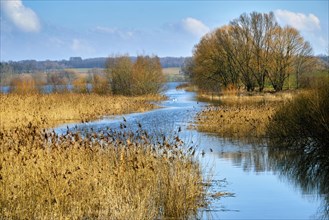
<point x="33" y="66"/>
<point x="251" y="51"/>
<point x="121" y="76"/>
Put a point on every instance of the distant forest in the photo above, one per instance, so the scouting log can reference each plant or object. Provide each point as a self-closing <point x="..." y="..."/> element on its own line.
<point x="32" y="66"/>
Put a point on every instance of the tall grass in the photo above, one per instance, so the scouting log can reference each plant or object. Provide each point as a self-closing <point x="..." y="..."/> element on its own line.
<point x="96" y="176"/>
<point x="103" y="175"/>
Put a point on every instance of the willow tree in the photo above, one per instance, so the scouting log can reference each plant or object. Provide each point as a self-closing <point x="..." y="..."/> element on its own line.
<point x="207" y="65"/>
<point x="214" y="63"/>
<point x="251" y="49"/>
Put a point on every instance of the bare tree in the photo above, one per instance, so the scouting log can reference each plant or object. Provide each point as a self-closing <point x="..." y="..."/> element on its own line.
<point x="304" y="61"/>
<point x="147" y="75"/>
<point x="142" y="77"/>
<point x="249" y="50"/>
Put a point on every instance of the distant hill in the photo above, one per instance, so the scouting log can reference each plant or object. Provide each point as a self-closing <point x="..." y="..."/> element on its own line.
<point x="30" y="66"/>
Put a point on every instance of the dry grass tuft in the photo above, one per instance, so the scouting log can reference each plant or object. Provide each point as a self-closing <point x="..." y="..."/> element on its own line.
<point x="231" y="121"/>
<point x="96" y="176"/>
<point x="49" y="110"/>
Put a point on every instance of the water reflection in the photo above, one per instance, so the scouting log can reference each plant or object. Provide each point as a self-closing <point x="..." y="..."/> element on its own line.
<point x="306" y="169"/>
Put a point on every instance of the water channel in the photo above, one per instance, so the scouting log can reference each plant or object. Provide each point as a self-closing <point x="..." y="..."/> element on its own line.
<point x="256" y="189"/>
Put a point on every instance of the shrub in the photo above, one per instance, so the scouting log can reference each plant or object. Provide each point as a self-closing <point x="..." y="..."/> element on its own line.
<point x="304" y="121"/>
<point x="100" y="84"/>
<point x="80" y="85"/>
<point x="23" y="84"/>
<point x="147" y="75"/>
<point x="58" y="82"/>
<point x="119" y="70"/>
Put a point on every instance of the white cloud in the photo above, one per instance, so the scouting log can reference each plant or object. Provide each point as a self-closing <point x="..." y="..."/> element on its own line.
<point x="299" y="21"/>
<point x="106" y="30"/>
<point x="24" y="18"/>
<point x="195" y="26"/>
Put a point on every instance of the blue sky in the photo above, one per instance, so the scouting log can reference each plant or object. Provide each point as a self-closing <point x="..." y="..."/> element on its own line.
<point x="59" y="29"/>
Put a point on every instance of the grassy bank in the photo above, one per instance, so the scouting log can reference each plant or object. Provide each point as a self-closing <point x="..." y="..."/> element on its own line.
<point x="50" y="110"/>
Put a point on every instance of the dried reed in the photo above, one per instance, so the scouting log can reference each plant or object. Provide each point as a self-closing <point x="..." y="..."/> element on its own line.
<point x="96" y="176"/>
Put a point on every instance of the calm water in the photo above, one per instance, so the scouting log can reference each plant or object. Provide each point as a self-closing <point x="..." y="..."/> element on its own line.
<point x="257" y="187"/>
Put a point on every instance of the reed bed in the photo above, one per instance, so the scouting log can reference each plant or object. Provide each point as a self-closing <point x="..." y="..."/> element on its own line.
<point x="49" y="110"/>
<point x="248" y="98"/>
<point x="236" y="121"/>
<point x="95" y="175"/>
<point x="103" y="175"/>
<point x="243" y="116"/>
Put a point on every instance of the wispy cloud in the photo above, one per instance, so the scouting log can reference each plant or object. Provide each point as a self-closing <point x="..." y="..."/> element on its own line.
<point x="195" y="26"/>
<point x="114" y="31"/>
<point x="81" y="46"/>
<point x="299" y="21"/>
<point x="22" y="17"/>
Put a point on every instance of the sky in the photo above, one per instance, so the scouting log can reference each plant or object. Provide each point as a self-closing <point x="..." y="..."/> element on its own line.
<point x="60" y="29"/>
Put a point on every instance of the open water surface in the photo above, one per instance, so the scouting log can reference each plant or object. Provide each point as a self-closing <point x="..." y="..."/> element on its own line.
<point x="256" y="186"/>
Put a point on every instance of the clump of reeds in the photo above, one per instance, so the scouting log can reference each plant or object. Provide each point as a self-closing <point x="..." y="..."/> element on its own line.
<point x="103" y="175"/>
<point x="235" y="97"/>
<point x="236" y="121"/>
<point x="240" y="116"/>
<point x="53" y="109"/>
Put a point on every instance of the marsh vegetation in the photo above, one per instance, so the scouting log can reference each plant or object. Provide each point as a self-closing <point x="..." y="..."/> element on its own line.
<point x="124" y="174"/>
<point x="99" y="175"/>
<point x="116" y="174"/>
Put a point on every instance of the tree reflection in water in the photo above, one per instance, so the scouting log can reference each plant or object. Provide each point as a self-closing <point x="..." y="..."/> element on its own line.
<point x="305" y="166"/>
